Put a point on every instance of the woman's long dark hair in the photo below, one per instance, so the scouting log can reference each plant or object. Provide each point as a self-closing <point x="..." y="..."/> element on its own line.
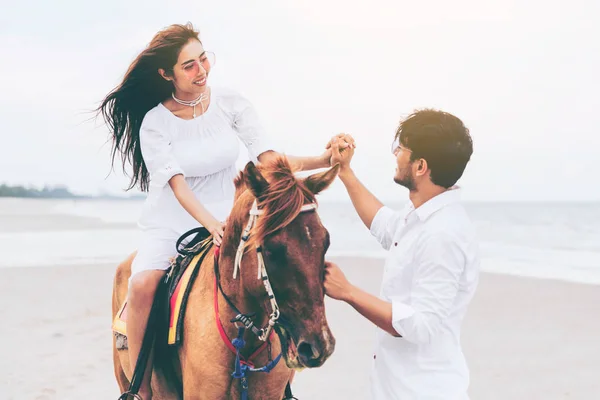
<point x="124" y="108"/>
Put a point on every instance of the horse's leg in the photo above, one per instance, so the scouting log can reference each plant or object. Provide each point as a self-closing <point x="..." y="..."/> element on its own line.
<point x="122" y="380"/>
<point x="270" y="385"/>
<point x="120" y="357"/>
<point x="121" y="364"/>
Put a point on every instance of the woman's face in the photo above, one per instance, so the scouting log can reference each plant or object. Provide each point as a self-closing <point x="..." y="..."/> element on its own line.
<point x="191" y="71"/>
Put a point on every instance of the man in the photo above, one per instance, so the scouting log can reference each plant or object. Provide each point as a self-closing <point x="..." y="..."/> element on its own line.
<point x="432" y="268"/>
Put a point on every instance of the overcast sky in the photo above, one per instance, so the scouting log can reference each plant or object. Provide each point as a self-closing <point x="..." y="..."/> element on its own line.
<point x="523" y="76"/>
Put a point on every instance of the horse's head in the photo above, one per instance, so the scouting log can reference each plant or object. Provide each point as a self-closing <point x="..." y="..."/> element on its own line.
<point x="293" y="242"/>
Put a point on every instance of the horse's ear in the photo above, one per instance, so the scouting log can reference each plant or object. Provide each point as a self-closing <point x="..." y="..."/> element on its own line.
<point x="316" y="183"/>
<point x="254" y="180"/>
<point x="240" y="185"/>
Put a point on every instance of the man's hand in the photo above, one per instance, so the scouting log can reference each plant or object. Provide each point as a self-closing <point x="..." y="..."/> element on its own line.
<point x="336" y="285"/>
<point x="342" y="151"/>
<point x="373" y="308"/>
<point x="345" y="141"/>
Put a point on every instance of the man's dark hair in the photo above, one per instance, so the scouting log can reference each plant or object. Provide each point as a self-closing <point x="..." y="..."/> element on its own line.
<point x="441" y="139"/>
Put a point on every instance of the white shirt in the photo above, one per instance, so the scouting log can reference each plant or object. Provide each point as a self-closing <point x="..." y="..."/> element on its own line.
<point x="204" y="150"/>
<point x="430" y="276"/>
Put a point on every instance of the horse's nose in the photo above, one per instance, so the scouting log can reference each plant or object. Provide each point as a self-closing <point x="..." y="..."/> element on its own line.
<point x="309" y="354"/>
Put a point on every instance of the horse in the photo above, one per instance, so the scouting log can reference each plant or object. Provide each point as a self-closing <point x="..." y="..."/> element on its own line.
<point x="271" y="266"/>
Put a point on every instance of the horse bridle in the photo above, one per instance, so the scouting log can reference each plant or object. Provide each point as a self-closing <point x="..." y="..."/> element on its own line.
<point x="262" y="334"/>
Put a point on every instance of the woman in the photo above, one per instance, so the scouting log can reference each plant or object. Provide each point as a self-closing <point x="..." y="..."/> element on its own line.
<point x="181" y="138"/>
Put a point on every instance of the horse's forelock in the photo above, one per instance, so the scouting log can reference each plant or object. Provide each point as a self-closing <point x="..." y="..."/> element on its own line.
<point x="284" y="200"/>
<point x="277" y="167"/>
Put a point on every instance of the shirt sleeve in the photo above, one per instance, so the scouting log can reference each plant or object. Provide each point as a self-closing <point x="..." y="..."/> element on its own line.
<point x="157" y="153"/>
<point x="384" y="226"/>
<point x="249" y="129"/>
<point x="440" y="264"/>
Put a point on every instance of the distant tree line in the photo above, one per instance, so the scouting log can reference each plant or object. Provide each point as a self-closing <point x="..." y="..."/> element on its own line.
<point x="59" y="192"/>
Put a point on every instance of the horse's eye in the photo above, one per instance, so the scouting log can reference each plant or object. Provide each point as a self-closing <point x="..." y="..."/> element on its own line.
<point x="275" y="252"/>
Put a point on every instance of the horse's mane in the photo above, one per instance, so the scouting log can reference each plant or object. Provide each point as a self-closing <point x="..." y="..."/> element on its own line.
<point x="281" y="203"/>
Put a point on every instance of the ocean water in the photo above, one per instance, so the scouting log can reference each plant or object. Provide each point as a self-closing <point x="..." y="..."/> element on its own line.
<point x="555" y="241"/>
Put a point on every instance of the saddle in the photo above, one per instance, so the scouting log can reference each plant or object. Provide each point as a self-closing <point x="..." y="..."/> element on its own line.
<point x="180" y="278"/>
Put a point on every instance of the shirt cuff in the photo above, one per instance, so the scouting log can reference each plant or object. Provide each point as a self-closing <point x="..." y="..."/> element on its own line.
<point x="400" y="312"/>
<point x="159" y="180"/>
<point x="256" y="147"/>
<point x="379" y="226"/>
<point x="161" y="177"/>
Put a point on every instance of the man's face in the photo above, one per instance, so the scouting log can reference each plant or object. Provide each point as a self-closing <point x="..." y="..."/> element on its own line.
<point x="404" y="167"/>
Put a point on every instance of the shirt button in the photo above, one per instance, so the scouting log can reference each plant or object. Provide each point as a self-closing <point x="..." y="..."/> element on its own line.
<point x="395" y="243"/>
<point x="374" y="356"/>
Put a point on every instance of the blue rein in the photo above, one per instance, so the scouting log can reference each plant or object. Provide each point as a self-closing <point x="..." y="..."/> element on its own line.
<point x="241" y="369"/>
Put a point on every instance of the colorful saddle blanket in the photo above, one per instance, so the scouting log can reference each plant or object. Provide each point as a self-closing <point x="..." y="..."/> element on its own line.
<point x="182" y="274"/>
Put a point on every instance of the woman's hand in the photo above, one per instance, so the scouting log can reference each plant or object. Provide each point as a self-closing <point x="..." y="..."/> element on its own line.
<point x="337" y="148"/>
<point x="192" y="205"/>
<point x="216" y="229"/>
<point x="325" y="158"/>
<point x="342" y="153"/>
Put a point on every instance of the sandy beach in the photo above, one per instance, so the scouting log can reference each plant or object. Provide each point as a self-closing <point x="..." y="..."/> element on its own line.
<point x="524" y="338"/>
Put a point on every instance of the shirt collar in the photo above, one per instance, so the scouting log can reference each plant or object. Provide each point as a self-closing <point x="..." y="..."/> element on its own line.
<point x="436" y="203"/>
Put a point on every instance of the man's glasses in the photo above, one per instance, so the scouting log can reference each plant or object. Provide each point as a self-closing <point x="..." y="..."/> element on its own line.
<point x="397" y="147"/>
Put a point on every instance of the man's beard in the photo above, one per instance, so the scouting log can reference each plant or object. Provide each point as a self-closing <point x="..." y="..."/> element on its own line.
<point x="405" y="179"/>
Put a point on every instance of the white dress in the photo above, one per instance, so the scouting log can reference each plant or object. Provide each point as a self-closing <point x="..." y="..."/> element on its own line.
<point x="205" y="151"/>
